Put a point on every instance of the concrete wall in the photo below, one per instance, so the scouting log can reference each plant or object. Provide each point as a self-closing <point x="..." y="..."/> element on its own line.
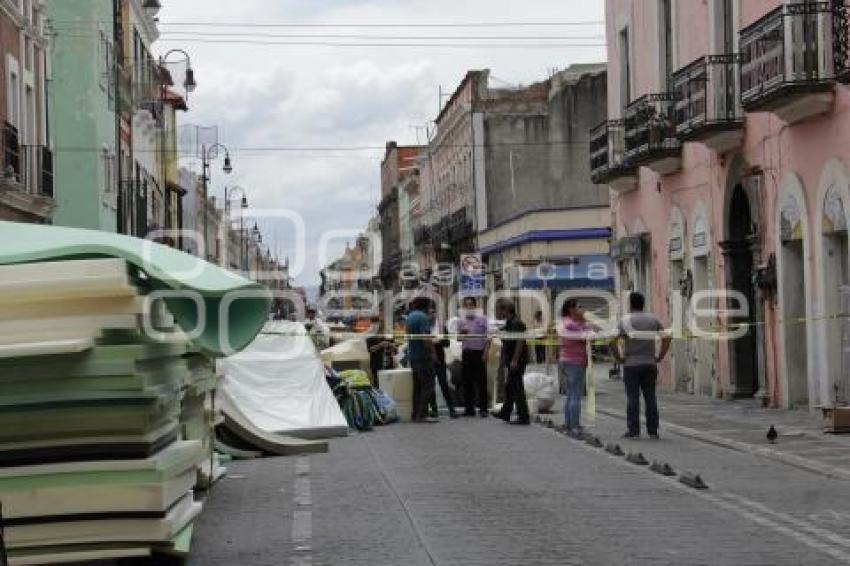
<point x="536" y="147"/>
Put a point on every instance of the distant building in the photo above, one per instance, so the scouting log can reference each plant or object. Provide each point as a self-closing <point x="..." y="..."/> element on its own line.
<point x="506" y="175"/>
<point x="453" y="180"/>
<point x="548" y="225"/>
<point x="26" y="177"/>
<point x="399" y="164"/>
<point x="191" y="214"/>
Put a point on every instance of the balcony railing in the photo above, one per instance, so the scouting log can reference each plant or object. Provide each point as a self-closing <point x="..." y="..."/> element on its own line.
<point x="29" y="168"/>
<point x="841" y="41"/>
<point x="707" y="95"/>
<point x="36" y="169"/>
<point x="651" y="128"/>
<point x="608" y="152"/>
<point x="792" y="48"/>
<point x="11" y="151"/>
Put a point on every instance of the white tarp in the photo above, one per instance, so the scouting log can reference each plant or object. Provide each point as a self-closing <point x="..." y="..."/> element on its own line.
<point x="353" y="350"/>
<point x="278" y="384"/>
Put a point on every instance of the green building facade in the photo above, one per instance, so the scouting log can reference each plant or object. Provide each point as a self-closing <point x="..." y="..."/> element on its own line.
<point x="82" y="96"/>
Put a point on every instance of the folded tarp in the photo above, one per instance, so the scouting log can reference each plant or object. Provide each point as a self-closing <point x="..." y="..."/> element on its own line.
<point x="235" y="308"/>
<point x="278" y="383"/>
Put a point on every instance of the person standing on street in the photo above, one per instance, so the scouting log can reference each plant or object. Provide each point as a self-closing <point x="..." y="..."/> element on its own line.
<point x="441" y="342"/>
<point x="381" y="348"/>
<point x="572" y="363"/>
<point x="420" y="355"/>
<point x="473" y="328"/>
<point x="514" y="360"/>
<point x="635" y="348"/>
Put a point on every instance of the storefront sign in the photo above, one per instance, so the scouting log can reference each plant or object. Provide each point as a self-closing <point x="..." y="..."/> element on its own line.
<point x="472" y="280"/>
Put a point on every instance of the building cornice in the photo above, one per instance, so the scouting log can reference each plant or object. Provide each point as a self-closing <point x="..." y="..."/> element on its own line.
<point x="148" y="26"/>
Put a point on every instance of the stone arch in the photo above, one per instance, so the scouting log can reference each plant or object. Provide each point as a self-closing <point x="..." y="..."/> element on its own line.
<point x="740" y="250"/>
<point x="832" y="257"/>
<point x="797" y="380"/>
<point x="735" y="175"/>
<point x="702" y="270"/>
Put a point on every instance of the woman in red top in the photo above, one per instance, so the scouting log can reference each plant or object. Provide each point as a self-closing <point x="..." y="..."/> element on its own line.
<point x="572" y="367"/>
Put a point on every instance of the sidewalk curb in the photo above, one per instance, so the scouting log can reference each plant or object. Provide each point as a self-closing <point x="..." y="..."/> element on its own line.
<point x="746" y="448"/>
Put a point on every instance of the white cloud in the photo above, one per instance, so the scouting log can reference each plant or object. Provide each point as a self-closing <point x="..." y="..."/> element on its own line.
<point x="273" y="96"/>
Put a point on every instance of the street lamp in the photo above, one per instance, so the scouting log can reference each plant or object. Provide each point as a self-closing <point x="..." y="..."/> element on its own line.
<point x="189" y="82"/>
<point x="206" y="156"/>
<point x="228" y="198"/>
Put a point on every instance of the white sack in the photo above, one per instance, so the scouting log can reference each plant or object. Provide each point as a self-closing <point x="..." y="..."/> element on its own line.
<point x="353" y="350"/>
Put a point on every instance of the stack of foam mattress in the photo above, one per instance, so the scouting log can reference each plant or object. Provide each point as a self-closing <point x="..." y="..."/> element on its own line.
<point x="106" y="392"/>
<point x="200" y="414"/>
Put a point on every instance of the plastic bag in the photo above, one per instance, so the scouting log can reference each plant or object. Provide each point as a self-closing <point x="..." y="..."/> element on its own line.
<point x="356" y="378"/>
<point x="542" y="388"/>
<point x="387" y="409"/>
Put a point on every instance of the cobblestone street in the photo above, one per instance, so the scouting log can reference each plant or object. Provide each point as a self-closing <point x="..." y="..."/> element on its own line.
<point x="481" y="492"/>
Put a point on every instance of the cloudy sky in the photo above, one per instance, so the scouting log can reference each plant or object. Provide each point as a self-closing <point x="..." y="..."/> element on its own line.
<point x="270" y="99"/>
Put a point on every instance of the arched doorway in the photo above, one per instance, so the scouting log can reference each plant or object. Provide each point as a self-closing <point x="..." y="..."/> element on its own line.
<point x="836" y="281"/>
<point x="793" y="292"/>
<point x="738" y="251"/>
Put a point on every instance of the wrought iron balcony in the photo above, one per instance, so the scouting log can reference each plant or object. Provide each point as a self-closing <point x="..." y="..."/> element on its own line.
<point x="791" y="58"/>
<point x="651" y="133"/>
<point x="26" y="178"/>
<point x="707" y="106"/>
<point x="28" y="168"/>
<point x="36" y="169"/>
<point x="608" y="165"/>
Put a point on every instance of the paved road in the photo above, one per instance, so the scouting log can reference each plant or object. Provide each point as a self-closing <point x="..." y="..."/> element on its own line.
<point x="476" y="492"/>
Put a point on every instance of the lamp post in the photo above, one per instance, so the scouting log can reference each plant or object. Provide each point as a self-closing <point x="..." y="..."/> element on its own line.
<point x="228" y="197"/>
<point x="189" y="84"/>
<point x="258" y="238"/>
<point x="206" y="157"/>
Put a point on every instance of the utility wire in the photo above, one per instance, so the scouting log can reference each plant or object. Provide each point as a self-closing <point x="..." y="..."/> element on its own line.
<point x="251" y="34"/>
<point x="334" y="44"/>
<point x="81" y="29"/>
<point x="190" y="40"/>
<point x="353" y="148"/>
<point x="353" y="25"/>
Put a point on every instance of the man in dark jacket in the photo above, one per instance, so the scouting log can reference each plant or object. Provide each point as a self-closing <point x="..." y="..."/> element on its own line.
<point x="441" y="342"/>
<point x="514" y="359"/>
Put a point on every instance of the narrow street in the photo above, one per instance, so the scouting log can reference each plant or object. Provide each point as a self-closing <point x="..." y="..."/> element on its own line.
<point x="482" y="492"/>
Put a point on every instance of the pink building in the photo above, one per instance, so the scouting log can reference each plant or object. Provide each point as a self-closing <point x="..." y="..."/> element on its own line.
<point x="727" y="152"/>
